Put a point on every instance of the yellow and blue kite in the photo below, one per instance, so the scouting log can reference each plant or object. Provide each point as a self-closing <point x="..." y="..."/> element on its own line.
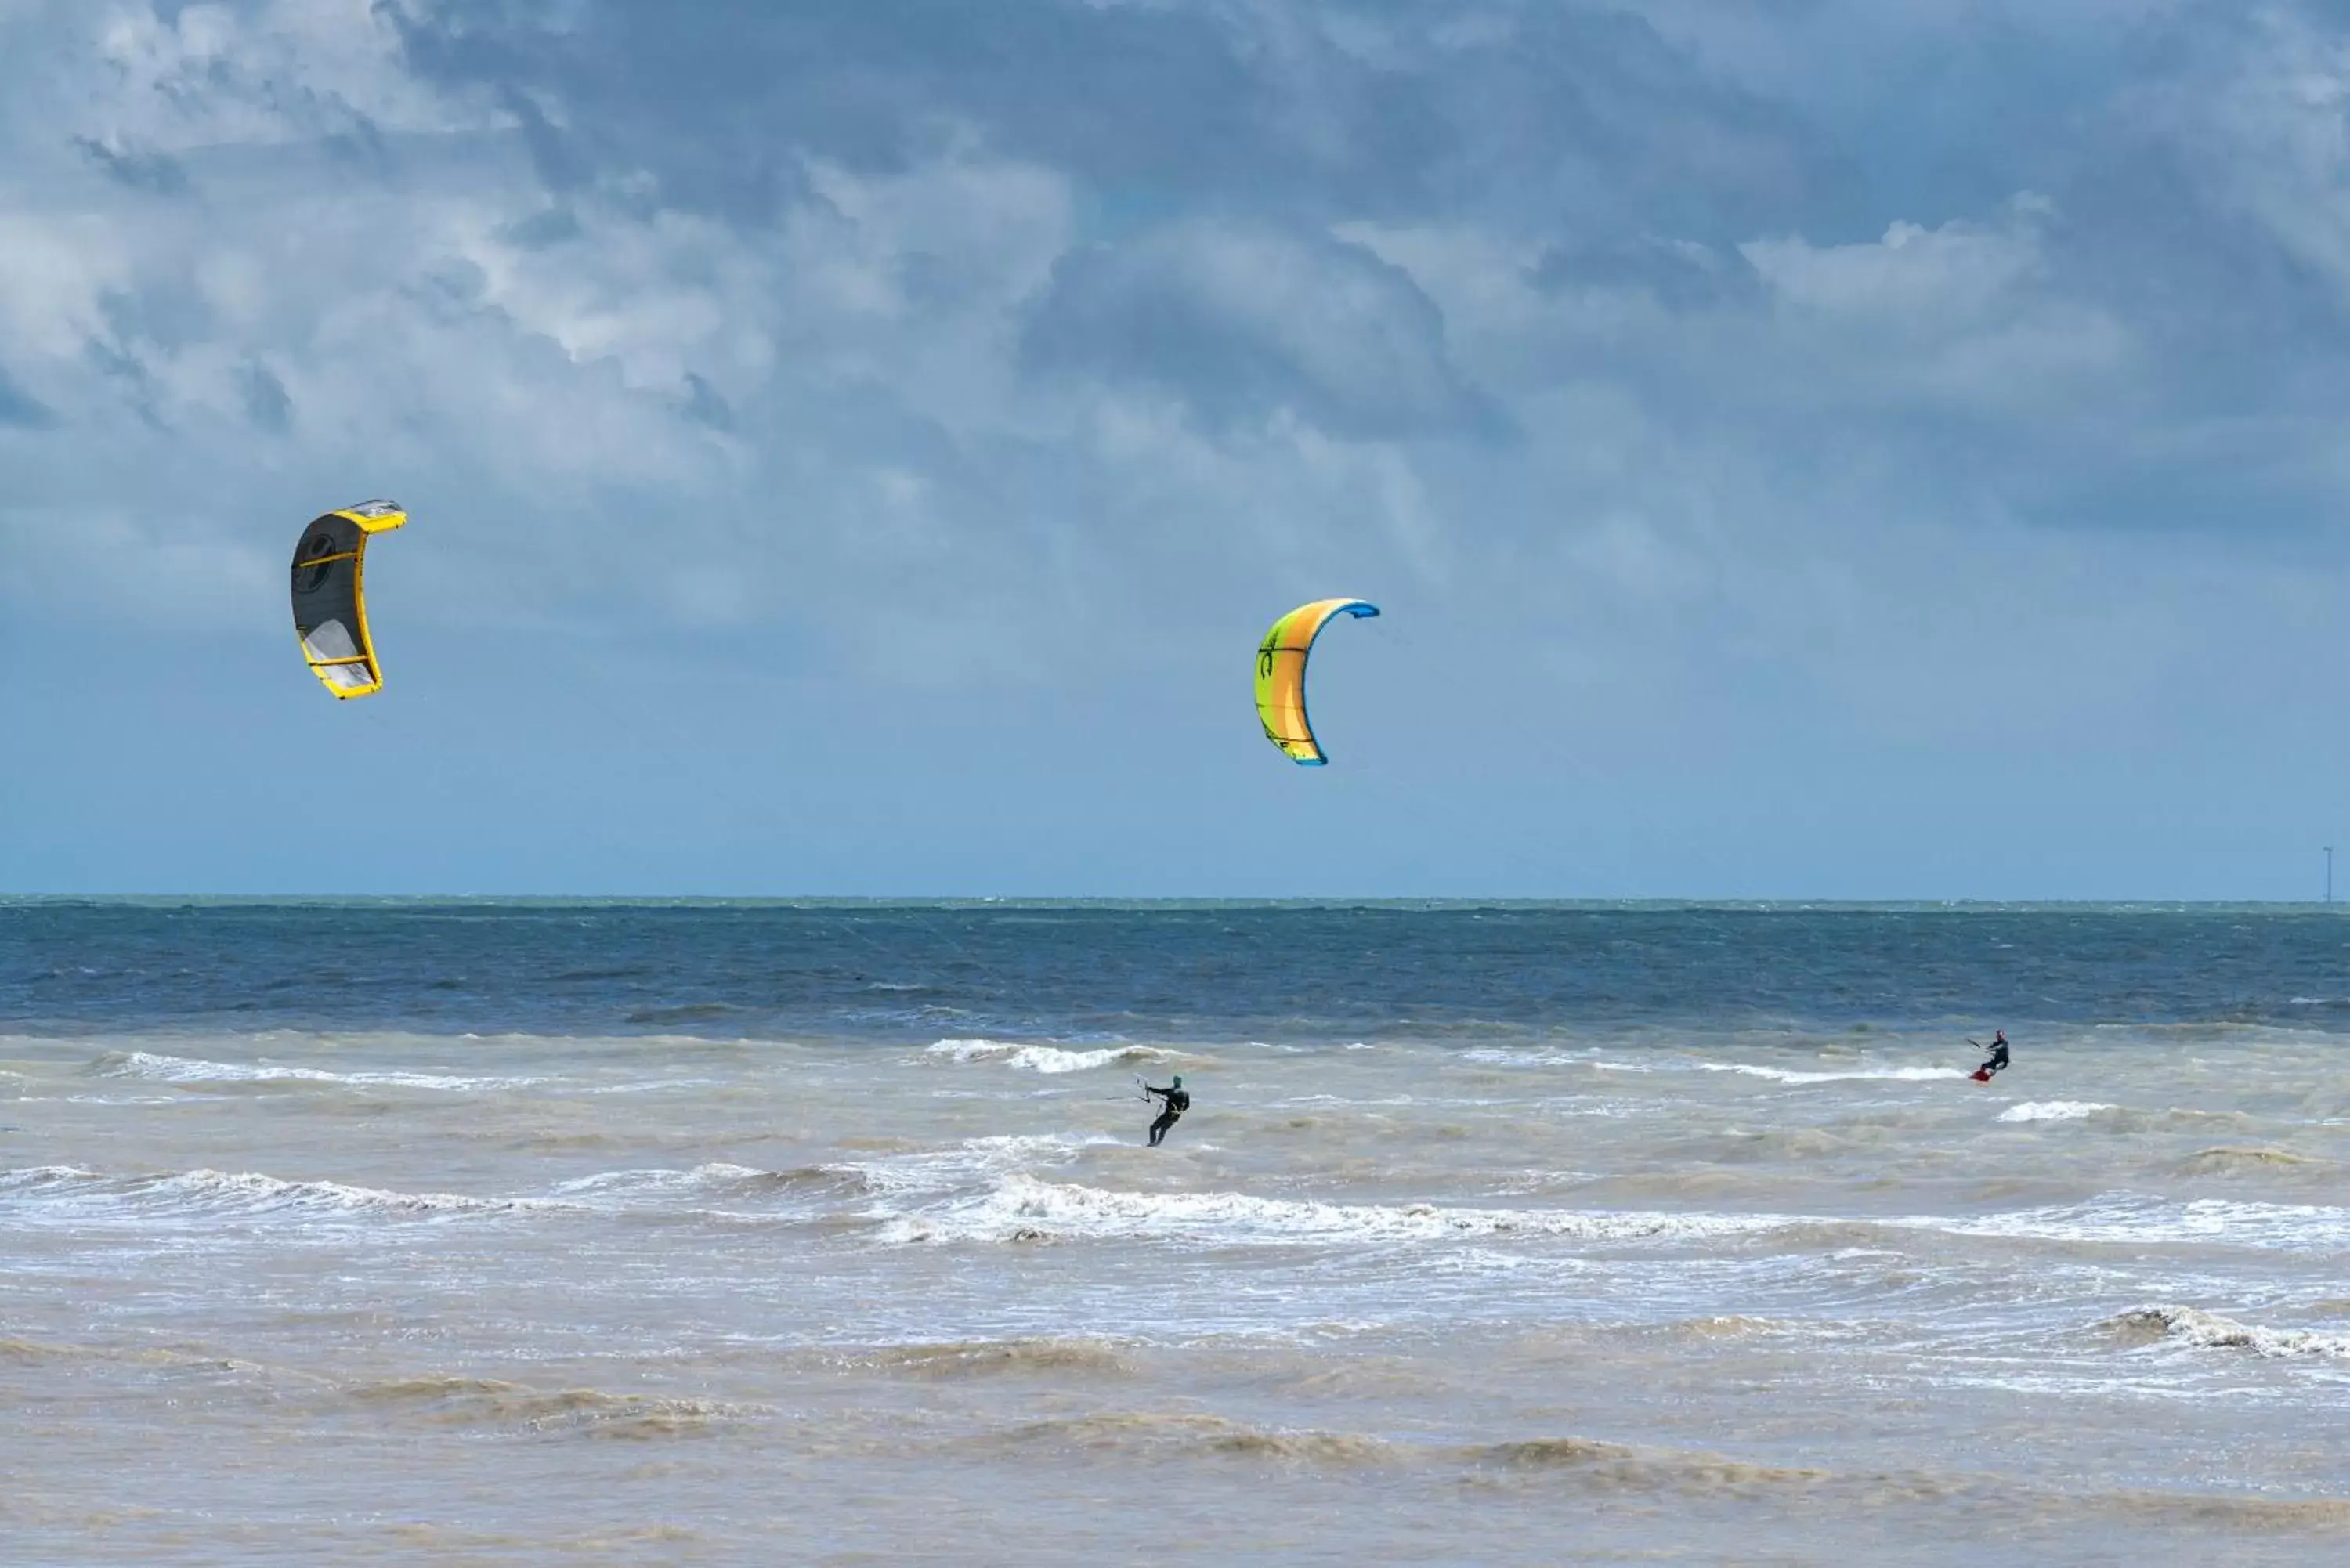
<point x="1281" y="676"/>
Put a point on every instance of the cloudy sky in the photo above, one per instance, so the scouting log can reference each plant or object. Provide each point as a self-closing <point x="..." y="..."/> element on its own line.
<point x="1806" y="448"/>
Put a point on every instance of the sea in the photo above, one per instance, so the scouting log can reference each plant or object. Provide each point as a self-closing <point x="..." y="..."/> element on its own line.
<point x="627" y="1233"/>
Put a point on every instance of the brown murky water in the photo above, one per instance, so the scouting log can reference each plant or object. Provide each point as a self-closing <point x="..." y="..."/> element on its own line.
<point x="1787" y="1300"/>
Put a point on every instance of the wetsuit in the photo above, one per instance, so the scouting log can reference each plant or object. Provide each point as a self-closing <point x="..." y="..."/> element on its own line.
<point x="1997" y="1056"/>
<point x="1178" y="1100"/>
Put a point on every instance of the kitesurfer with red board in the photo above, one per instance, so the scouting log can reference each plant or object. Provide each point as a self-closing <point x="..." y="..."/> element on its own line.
<point x="1998" y="1060"/>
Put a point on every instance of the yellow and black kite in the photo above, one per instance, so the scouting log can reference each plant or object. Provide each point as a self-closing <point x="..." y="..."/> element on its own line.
<point x="329" y="602"/>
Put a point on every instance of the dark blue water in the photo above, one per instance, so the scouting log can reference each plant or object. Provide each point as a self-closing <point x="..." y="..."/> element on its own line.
<point x="1191" y="971"/>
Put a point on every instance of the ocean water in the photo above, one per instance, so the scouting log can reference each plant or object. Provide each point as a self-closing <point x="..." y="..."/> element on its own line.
<point x="548" y="1232"/>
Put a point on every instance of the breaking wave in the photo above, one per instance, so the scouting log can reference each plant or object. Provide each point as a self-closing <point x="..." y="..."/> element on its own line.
<point x="2128" y="1218"/>
<point x="253" y="1193"/>
<point x="974" y="1160"/>
<point x="717" y="1175"/>
<point x="2209" y="1331"/>
<point x="1784" y="1074"/>
<point x="1794" y="1075"/>
<point x="1045" y="1058"/>
<point x="1023" y="1208"/>
<point x="77" y="1194"/>
<point x="717" y="1179"/>
<point x="1524" y="1056"/>
<point x="155" y="1067"/>
<point x="2053" y="1110"/>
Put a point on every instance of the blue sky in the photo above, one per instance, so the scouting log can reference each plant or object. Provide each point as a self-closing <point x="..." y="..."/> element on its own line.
<point x="1803" y="447"/>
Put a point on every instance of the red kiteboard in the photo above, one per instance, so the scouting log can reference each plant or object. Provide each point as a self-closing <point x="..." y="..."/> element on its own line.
<point x="1981" y="1074"/>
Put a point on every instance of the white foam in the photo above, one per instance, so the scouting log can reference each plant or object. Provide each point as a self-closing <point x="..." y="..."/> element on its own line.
<point x="1023" y="1206"/>
<point x="1776" y="1074"/>
<point x="73" y="1192"/>
<point x="2209" y="1331"/>
<point x="701" y="1179"/>
<point x="650" y="1087"/>
<point x="1791" y="1075"/>
<point x="252" y="1191"/>
<point x="2133" y="1220"/>
<point x="1494" y="1055"/>
<point x="157" y="1067"/>
<point x="972" y="1161"/>
<point x="2053" y="1110"/>
<point x="1043" y="1058"/>
<point x="33" y="1176"/>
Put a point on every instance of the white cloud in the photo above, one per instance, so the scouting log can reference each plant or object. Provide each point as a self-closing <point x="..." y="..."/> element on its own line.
<point x="2262" y="119"/>
<point x="1522" y="305"/>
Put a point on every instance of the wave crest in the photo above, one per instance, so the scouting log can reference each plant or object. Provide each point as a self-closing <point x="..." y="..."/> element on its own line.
<point x="1022" y="1207"/>
<point x="991" y="1357"/>
<point x="1792" y="1076"/>
<point x="90" y="1194"/>
<point x="2237" y="1161"/>
<point x="1045" y="1058"/>
<point x="2209" y="1331"/>
<point x="1622" y="1464"/>
<point x="152" y="1066"/>
<point x="252" y="1192"/>
<point x="2053" y="1110"/>
<point x="1210" y="1435"/>
<point x="591" y="1412"/>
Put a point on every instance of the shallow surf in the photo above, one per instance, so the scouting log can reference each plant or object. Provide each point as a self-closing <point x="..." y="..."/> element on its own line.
<point x="1555" y="1253"/>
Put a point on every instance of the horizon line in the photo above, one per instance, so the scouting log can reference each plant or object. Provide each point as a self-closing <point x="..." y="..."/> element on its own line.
<point x="1074" y="901"/>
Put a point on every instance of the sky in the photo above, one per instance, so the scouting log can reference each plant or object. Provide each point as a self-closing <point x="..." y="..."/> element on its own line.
<point x="1799" y="448"/>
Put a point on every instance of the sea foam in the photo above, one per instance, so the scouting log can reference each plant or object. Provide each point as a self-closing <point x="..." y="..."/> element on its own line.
<point x="2053" y="1110"/>
<point x="1783" y="1074"/>
<point x="2209" y="1331"/>
<point x="156" y="1067"/>
<point x="2135" y="1220"/>
<point x="1022" y="1207"/>
<point x="1044" y="1058"/>
<point x="1796" y="1076"/>
<point x="75" y="1193"/>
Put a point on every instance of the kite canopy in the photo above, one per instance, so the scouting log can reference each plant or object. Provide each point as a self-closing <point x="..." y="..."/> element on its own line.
<point x="329" y="604"/>
<point x="1281" y="676"/>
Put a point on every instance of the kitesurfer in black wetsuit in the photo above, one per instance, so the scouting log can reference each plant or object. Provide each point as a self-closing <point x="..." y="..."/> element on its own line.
<point x="1998" y="1054"/>
<point x="1178" y="1102"/>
